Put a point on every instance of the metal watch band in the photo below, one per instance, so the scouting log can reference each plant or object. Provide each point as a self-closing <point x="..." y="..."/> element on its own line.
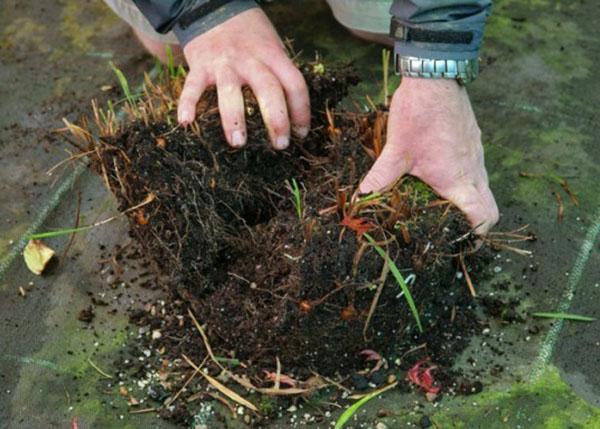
<point x="464" y="71"/>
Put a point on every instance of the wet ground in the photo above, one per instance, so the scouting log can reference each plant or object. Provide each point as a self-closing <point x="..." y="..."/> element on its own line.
<point x="536" y="102"/>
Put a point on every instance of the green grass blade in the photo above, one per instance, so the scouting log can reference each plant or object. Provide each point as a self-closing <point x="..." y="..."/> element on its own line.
<point x="297" y="198"/>
<point x="170" y="61"/>
<point x="124" y="84"/>
<point x="399" y="279"/>
<point x="372" y="196"/>
<point x="59" y="232"/>
<point x="231" y="361"/>
<point x="350" y="411"/>
<point x="181" y="71"/>
<point x="565" y="316"/>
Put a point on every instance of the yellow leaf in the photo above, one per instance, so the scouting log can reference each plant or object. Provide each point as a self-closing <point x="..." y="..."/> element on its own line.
<point x="37" y="256"/>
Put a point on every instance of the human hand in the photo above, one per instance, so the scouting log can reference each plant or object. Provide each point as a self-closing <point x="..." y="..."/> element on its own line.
<point x="246" y="50"/>
<point x="433" y="135"/>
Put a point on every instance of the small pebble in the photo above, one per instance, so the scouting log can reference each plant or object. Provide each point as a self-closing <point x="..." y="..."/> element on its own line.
<point x="425" y="422"/>
<point x="360" y="382"/>
<point x="378" y="378"/>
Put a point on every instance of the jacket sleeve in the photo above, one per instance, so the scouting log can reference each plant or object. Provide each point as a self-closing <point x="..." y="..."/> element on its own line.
<point x="439" y="29"/>
<point x="190" y="18"/>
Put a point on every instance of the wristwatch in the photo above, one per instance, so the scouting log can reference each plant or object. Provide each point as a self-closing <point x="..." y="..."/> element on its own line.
<point x="462" y="70"/>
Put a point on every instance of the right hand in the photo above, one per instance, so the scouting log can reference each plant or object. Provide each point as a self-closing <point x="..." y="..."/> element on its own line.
<point x="246" y="50"/>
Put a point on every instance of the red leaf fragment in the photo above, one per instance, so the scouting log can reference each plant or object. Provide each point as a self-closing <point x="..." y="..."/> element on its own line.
<point x="284" y="380"/>
<point x="422" y="377"/>
<point x="357" y="224"/>
<point x="370" y="355"/>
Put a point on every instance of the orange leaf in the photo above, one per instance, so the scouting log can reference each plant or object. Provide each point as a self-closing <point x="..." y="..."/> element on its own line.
<point x="358" y="225"/>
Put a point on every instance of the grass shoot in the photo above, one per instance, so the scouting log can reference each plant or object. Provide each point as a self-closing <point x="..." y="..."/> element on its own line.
<point x="399" y="279"/>
<point x="124" y="84"/>
<point x="297" y="194"/>
<point x="564" y="316"/>
<point x="350" y="411"/>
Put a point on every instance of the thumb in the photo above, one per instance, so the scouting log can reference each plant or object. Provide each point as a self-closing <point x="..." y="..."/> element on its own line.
<point x="389" y="167"/>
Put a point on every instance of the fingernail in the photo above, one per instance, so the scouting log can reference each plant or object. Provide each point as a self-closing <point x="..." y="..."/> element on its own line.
<point x="238" y="139"/>
<point x="282" y="142"/>
<point x="300" y="131"/>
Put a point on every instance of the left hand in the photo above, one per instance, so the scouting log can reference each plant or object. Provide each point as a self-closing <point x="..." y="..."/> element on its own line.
<point x="433" y="135"/>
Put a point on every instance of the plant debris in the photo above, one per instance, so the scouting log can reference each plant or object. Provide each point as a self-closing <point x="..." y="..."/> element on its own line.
<point x="37" y="256"/>
<point x="421" y="375"/>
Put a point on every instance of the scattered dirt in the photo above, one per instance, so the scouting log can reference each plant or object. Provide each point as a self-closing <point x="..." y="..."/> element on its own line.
<point x="86" y="315"/>
<point x="271" y="278"/>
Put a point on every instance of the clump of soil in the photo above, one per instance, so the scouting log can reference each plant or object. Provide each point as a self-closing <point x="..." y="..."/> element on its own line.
<point x="277" y="275"/>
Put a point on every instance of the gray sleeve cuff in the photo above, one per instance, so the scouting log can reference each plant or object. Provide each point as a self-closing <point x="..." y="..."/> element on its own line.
<point x="205" y="23"/>
<point x="441" y="29"/>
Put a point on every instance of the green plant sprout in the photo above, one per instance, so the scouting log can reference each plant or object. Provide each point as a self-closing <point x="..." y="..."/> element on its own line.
<point x="565" y="316"/>
<point x="124" y="84"/>
<point x="170" y="61"/>
<point x="350" y="411"/>
<point x="372" y="196"/>
<point x="295" y="190"/>
<point x="399" y="279"/>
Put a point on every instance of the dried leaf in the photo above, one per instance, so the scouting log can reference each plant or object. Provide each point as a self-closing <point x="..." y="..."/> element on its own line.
<point x="37" y="256"/>
<point x="358" y="225"/>
<point x="422" y="377"/>
<point x="370" y="355"/>
<point x="285" y="380"/>
<point x="140" y="217"/>
<point x="221" y="388"/>
<point x="561" y="207"/>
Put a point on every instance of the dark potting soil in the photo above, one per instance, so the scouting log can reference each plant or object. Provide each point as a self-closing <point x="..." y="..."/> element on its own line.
<point x="270" y="278"/>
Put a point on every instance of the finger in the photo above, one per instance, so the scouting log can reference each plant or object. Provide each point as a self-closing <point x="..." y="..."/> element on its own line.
<point x="470" y="201"/>
<point x="231" y="107"/>
<point x="389" y="167"/>
<point x="193" y="88"/>
<point x="271" y="100"/>
<point x="491" y="206"/>
<point x="296" y="94"/>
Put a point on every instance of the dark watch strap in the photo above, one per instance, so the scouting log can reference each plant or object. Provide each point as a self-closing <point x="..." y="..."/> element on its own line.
<point x="403" y="33"/>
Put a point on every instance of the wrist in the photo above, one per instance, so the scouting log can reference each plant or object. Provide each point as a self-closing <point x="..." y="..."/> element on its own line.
<point x="438" y="86"/>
